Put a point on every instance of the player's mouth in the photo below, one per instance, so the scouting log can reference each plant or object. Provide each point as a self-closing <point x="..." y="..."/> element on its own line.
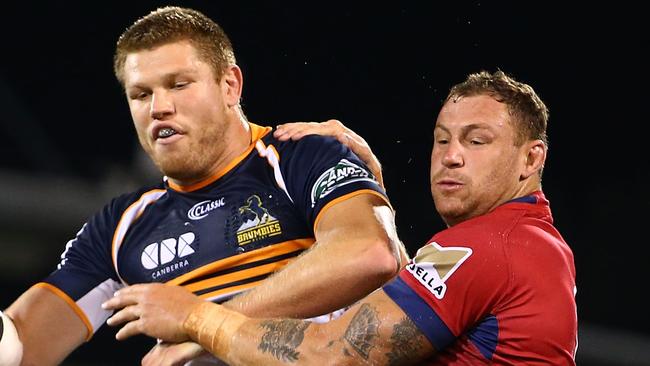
<point x="449" y="185"/>
<point x="165" y="133"/>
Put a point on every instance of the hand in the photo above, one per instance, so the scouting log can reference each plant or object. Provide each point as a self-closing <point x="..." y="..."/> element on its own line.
<point x="334" y="128"/>
<point x="172" y="354"/>
<point x="155" y="309"/>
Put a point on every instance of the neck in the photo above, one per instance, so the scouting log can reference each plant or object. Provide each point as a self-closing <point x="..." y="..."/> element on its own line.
<point x="529" y="186"/>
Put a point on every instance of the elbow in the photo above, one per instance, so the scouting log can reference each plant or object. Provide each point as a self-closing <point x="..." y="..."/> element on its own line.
<point x="384" y="260"/>
<point x="323" y="349"/>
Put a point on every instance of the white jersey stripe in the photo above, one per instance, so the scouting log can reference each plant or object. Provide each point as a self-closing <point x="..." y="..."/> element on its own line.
<point x="272" y="157"/>
<point x="130" y="215"/>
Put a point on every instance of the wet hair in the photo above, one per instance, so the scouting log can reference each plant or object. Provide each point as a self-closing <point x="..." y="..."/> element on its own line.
<point x="528" y="112"/>
<point x="171" y="24"/>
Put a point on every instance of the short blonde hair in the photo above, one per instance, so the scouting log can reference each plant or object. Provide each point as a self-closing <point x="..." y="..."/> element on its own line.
<point x="172" y="24"/>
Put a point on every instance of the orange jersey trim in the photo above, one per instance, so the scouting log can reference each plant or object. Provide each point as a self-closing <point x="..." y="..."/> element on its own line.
<point x="257" y="132"/>
<point x="244" y="258"/>
<point x="71" y="303"/>
<point x="265" y="269"/>
<point x="234" y="290"/>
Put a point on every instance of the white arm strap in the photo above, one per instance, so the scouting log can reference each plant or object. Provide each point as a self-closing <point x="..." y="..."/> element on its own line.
<point x="11" y="349"/>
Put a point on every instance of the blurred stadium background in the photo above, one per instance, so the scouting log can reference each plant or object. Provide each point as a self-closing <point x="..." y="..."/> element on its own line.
<point x="69" y="146"/>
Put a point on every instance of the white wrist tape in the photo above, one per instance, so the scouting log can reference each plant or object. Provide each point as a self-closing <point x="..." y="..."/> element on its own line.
<point x="11" y="349"/>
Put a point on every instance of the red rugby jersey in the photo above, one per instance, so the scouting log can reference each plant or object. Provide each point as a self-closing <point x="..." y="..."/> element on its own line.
<point x="498" y="289"/>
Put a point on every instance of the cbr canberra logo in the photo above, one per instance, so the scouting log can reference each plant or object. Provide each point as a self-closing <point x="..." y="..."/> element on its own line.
<point x="161" y="255"/>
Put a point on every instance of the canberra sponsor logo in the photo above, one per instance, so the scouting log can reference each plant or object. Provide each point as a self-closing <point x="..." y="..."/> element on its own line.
<point x="258" y="223"/>
<point x="344" y="172"/>
<point x="434" y="264"/>
<point x="168" y="255"/>
<point x="203" y="208"/>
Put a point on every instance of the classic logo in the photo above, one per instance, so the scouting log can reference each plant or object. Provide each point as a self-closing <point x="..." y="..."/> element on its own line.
<point x="258" y="222"/>
<point x="160" y="255"/>
<point x="434" y="264"/>
<point x="203" y="208"/>
<point x="344" y="172"/>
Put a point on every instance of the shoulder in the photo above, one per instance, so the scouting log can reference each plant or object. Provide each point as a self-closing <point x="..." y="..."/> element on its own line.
<point x="493" y="227"/>
<point x="142" y="195"/>
<point x="307" y="144"/>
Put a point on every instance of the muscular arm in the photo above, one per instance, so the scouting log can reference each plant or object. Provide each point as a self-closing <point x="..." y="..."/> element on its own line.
<point x="375" y="331"/>
<point x="356" y="251"/>
<point x="48" y="327"/>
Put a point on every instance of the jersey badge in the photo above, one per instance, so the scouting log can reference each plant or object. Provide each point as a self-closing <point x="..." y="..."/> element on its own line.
<point x="344" y="172"/>
<point x="258" y="223"/>
<point x="434" y="264"/>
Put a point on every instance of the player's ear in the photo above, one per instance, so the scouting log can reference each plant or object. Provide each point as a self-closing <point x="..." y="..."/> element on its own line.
<point x="232" y="83"/>
<point x="535" y="157"/>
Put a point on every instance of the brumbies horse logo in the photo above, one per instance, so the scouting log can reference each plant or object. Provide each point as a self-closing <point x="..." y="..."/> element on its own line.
<point x="258" y="223"/>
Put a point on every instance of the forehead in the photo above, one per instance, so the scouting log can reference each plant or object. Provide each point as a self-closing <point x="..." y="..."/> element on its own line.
<point x="474" y="110"/>
<point x="171" y="58"/>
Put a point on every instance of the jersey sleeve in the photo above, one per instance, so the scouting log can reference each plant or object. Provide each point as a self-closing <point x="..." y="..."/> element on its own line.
<point x="320" y="170"/>
<point x="446" y="290"/>
<point x="85" y="276"/>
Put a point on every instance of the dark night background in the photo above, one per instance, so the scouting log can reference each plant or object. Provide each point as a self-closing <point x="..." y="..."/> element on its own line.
<point x="68" y="143"/>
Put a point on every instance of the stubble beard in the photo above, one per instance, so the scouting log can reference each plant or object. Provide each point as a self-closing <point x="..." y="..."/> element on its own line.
<point x="193" y="162"/>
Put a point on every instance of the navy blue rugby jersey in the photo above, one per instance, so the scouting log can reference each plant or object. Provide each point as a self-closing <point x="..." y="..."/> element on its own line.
<point x="218" y="237"/>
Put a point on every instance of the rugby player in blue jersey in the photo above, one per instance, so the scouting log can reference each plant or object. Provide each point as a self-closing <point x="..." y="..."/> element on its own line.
<point x="267" y="227"/>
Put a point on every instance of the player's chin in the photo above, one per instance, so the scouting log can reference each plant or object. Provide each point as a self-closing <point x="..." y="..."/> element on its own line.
<point x="176" y="167"/>
<point x="449" y="208"/>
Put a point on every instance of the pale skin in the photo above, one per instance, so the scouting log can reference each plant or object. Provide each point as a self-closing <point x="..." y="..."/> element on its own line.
<point x="179" y="109"/>
<point x="476" y="165"/>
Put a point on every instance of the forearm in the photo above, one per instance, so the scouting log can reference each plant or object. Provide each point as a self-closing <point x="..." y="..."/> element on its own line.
<point x="215" y="329"/>
<point x="375" y="331"/>
<point x="322" y="280"/>
<point x="239" y="340"/>
<point x="357" y="250"/>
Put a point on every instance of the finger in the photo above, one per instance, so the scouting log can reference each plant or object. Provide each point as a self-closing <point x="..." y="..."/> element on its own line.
<point x="127" y="314"/>
<point x="172" y="354"/>
<point x="279" y="132"/>
<point x="296" y="130"/>
<point x="283" y="133"/>
<point x="128" y="330"/>
<point x="314" y="128"/>
<point x="123" y="297"/>
<point x="117" y="302"/>
<point x="152" y="358"/>
<point x="286" y="127"/>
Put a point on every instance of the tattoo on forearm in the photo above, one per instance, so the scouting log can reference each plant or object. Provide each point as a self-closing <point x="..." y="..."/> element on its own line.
<point x="363" y="330"/>
<point x="282" y="337"/>
<point x="405" y="340"/>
